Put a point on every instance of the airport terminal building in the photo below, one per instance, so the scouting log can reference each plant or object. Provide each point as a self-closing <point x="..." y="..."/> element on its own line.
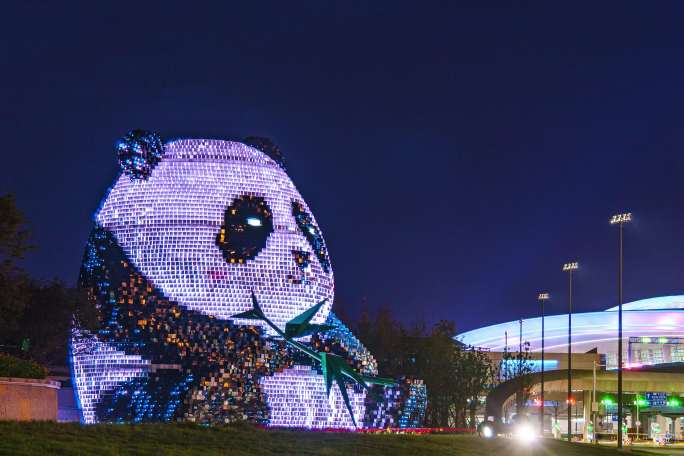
<point x="653" y="357"/>
<point x="653" y="333"/>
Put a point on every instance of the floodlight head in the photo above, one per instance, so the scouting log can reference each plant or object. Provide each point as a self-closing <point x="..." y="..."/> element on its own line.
<point x="570" y="266"/>
<point x="543" y="296"/>
<point x="621" y="218"/>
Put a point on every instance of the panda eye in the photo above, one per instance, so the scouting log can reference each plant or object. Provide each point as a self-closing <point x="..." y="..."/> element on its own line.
<point x="247" y="223"/>
<point x="312" y="234"/>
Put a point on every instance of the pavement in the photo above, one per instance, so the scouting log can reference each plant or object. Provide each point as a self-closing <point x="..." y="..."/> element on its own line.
<point x="668" y="450"/>
<point x="647" y="447"/>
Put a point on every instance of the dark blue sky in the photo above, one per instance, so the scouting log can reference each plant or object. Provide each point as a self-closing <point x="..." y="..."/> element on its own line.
<point x="455" y="156"/>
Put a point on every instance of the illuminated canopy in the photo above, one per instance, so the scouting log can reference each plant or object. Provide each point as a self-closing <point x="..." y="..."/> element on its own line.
<point x="659" y="317"/>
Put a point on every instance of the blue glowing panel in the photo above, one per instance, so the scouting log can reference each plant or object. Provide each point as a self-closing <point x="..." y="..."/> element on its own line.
<point x="656" y="399"/>
<point x="534" y="365"/>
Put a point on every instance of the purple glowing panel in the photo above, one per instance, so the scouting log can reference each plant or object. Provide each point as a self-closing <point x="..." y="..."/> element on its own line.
<point x="168" y="225"/>
<point x="297" y="398"/>
<point x="97" y="367"/>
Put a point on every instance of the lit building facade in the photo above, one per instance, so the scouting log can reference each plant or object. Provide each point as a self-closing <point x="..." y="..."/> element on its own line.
<point x="189" y="232"/>
<point x="653" y="385"/>
<point x="653" y="333"/>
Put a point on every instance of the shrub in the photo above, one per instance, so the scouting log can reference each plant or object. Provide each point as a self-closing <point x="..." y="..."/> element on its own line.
<point x="11" y="366"/>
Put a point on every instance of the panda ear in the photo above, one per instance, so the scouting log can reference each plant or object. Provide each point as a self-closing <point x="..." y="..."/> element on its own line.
<point x="266" y="146"/>
<point x="138" y="152"/>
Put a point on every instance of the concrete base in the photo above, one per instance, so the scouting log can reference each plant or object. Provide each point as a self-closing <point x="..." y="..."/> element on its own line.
<point x="67" y="409"/>
<point x="27" y="399"/>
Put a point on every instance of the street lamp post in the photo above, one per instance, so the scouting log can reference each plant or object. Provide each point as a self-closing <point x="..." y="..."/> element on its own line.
<point x="639" y="402"/>
<point x="620" y="220"/>
<point x="569" y="267"/>
<point x="541" y="298"/>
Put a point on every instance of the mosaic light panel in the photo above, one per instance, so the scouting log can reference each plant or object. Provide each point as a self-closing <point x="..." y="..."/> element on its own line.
<point x="179" y="248"/>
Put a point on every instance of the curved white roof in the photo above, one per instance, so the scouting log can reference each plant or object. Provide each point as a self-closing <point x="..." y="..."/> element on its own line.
<point x="659" y="303"/>
<point x="653" y="317"/>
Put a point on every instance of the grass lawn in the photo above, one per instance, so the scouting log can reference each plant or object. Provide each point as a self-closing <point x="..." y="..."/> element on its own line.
<point x="183" y="439"/>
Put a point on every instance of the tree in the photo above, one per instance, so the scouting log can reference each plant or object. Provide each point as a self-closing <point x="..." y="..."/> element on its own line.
<point x="477" y="377"/>
<point x="36" y="317"/>
<point x="58" y="305"/>
<point x="14" y="234"/>
<point x="517" y="367"/>
<point x="383" y="336"/>
<point x="438" y="365"/>
<point x="14" y="283"/>
<point x="455" y="376"/>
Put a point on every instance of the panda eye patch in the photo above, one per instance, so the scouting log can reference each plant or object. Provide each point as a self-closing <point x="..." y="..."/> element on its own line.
<point x="312" y="234"/>
<point x="247" y="223"/>
<point x="301" y="259"/>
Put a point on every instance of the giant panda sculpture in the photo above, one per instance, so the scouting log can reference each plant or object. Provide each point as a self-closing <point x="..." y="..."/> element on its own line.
<point x="190" y="234"/>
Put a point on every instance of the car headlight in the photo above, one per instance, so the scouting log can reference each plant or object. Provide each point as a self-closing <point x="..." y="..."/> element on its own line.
<point x="525" y="433"/>
<point x="487" y="432"/>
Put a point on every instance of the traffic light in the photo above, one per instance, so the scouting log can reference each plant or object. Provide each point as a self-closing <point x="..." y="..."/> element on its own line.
<point x="674" y="401"/>
<point x="607" y="401"/>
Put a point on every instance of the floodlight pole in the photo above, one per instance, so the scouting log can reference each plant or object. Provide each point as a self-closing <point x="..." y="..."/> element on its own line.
<point x="569" y="267"/>
<point x="620" y="219"/>
<point x="619" y="444"/>
<point x="541" y="298"/>
<point x="570" y="357"/>
<point x="593" y="401"/>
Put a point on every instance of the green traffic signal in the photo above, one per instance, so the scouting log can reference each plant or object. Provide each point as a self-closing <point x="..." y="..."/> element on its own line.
<point x="640" y="401"/>
<point x="607" y="400"/>
<point x="674" y="402"/>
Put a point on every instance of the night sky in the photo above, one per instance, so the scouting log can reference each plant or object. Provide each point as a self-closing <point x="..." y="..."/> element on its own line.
<point x="454" y="156"/>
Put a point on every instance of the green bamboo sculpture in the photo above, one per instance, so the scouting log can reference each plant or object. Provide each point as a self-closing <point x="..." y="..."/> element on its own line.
<point x="334" y="367"/>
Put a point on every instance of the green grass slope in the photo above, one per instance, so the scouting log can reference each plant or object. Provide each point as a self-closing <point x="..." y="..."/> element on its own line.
<point x="183" y="439"/>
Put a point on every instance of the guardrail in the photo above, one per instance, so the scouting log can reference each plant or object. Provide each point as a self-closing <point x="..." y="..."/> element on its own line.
<point x="422" y="430"/>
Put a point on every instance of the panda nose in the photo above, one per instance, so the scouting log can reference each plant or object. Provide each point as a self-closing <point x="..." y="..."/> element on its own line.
<point x="302" y="259"/>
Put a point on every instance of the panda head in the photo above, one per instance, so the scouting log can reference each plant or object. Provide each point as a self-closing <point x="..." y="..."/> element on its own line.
<point x="209" y="221"/>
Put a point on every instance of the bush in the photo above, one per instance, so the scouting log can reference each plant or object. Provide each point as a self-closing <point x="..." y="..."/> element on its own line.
<point x="11" y="366"/>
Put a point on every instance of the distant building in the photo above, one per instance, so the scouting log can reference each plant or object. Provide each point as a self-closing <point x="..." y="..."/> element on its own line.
<point x="653" y="333"/>
<point x="653" y="356"/>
